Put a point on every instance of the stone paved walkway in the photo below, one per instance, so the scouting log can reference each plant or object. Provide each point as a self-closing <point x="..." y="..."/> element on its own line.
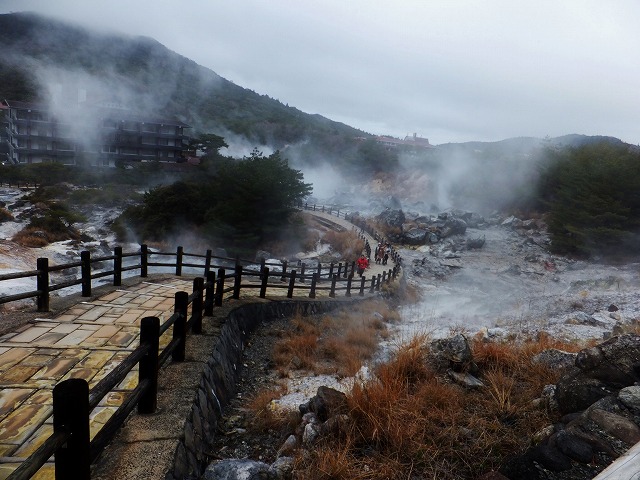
<point x="87" y="341"/>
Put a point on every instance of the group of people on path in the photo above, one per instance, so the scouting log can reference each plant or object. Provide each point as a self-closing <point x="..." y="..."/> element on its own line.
<point x="381" y="255"/>
<point x="383" y="250"/>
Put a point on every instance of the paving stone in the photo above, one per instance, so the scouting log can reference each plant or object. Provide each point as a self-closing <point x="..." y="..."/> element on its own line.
<point x="121" y="339"/>
<point x="65" y="328"/>
<point x="34" y="441"/>
<point x="112" y="399"/>
<point x="35" y="360"/>
<point x="56" y="368"/>
<point x="84" y="373"/>
<point x="10" y="398"/>
<point x="130" y="381"/>
<point x="74" y="338"/>
<point x="30" y="334"/>
<point x="6" y="451"/>
<point x="50" y="338"/>
<point x="98" y="417"/>
<point x="91" y="327"/>
<point x="107" y="331"/>
<point x="13" y="356"/>
<point x="96" y="359"/>
<point x="112" y="296"/>
<point x="21" y="423"/>
<point x="66" y="317"/>
<point x="93" y="314"/>
<point x="41" y="397"/>
<point x="17" y="375"/>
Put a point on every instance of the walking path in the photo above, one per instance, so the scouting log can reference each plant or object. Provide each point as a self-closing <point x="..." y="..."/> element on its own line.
<point x="86" y="340"/>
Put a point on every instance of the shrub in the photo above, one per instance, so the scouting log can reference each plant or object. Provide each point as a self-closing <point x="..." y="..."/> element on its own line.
<point x="5" y="215"/>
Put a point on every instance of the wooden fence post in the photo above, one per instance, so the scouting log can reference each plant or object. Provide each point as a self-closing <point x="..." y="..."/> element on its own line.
<point x="220" y="287"/>
<point x="262" y="263"/>
<point x="302" y="272"/>
<point x="117" y="266"/>
<point x="42" y="284"/>
<point x="362" y="280"/>
<point x="319" y="269"/>
<point x="292" y="282"/>
<point x="207" y="263"/>
<point x="265" y="279"/>
<point x="349" y="280"/>
<point x="71" y="414"/>
<point x="210" y="293"/>
<point x="85" y="269"/>
<point x="314" y="280"/>
<point x="339" y="273"/>
<point x="378" y="282"/>
<point x="353" y="268"/>
<point x="373" y="284"/>
<point x="330" y="270"/>
<point x="144" y="260"/>
<point x="148" y="370"/>
<point x="197" y="304"/>
<point x="332" y="292"/>
<point x="237" y="281"/>
<point x="180" y="325"/>
<point x="179" y="255"/>
<point x="284" y="271"/>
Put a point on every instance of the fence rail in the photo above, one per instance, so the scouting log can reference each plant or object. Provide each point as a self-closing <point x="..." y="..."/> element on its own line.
<point x="73" y="401"/>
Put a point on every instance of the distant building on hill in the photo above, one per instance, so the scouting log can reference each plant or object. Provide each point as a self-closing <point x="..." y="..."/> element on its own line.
<point x="410" y="143"/>
<point x="98" y="135"/>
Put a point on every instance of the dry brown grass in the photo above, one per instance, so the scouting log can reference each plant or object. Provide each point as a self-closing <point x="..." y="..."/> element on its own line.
<point x="411" y="423"/>
<point x="339" y="343"/>
<point x="31" y="237"/>
<point x="347" y="243"/>
<point x="5" y="215"/>
<point x="266" y="418"/>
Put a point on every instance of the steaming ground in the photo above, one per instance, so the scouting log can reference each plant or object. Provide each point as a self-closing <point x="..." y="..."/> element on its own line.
<point x="513" y="285"/>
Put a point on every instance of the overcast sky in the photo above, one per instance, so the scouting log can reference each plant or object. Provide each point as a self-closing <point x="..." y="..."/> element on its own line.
<point x="448" y="70"/>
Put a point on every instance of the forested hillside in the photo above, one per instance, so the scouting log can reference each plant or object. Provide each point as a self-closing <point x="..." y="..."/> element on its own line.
<point x="37" y="52"/>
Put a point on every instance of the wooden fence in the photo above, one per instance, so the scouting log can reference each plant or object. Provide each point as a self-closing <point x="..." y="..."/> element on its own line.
<point x="73" y="401"/>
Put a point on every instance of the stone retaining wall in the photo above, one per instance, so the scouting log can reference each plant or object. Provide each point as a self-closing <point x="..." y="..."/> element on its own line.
<point x="217" y="383"/>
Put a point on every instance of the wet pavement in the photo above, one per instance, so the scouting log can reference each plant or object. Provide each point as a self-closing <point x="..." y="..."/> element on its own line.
<point x="87" y="340"/>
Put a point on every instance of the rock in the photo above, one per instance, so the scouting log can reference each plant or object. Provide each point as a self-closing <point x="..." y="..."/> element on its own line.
<point x="392" y="218"/>
<point x="288" y="447"/>
<point x="415" y="236"/>
<point x="582" y="318"/>
<point x="616" y="425"/>
<point x="465" y="379"/>
<point x="336" y="425"/>
<point x="310" y="434"/>
<point x="614" y="361"/>
<point x="238" y="469"/>
<point x="475" y="243"/>
<point x="552" y="458"/>
<point x="612" y="308"/>
<point x="576" y="391"/>
<point x="454" y="226"/>
<point x="282" y="468"/>
<point x="630" y="398"/>
<point x="451" y="353"/>
<point x="555" y="358"/>
<point x="326" y="403"/>
<point x="574" y="447"/>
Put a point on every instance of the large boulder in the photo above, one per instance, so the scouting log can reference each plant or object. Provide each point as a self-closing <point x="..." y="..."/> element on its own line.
<point x="600" y="371"/>
<point x="392" y="218"/>
<point x="415" y="236"/>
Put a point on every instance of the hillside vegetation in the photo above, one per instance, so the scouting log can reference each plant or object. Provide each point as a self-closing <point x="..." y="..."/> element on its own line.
<point x="38" y="52"/>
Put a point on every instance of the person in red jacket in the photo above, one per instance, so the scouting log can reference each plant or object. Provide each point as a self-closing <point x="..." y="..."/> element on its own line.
<point x="362" y="263"/>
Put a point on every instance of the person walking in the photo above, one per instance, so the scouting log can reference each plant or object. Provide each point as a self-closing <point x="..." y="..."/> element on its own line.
<point x="362" y="264"/>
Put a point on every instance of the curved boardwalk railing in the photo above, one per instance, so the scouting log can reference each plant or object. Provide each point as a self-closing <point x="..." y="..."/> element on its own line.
<point x="73" y="401"/>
